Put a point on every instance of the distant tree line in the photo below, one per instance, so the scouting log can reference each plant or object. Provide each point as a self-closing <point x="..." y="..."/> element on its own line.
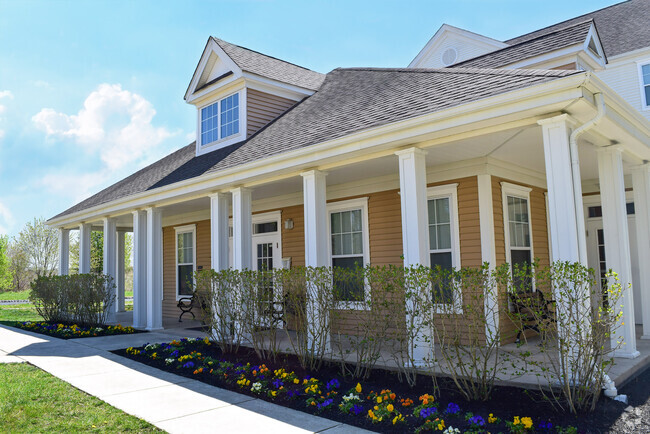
<point x="34" y="252"/>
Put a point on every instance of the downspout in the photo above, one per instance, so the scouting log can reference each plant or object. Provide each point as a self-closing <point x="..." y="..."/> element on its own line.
<point x="575" y="172"/>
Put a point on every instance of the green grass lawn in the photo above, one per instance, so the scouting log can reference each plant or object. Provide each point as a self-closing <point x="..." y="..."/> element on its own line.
<point x="19" y="312"/>
<point x="32" y="400"/>
<point x="128" y="293"/>
<point x="15" y="295"/>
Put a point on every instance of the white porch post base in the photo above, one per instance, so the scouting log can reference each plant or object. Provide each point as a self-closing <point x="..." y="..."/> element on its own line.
<point x="64" y="252"/>
<point x="139" y="269"/>
<point x="85" y="230"/>
<point x="154" y="269"/>
<point x="641" y="187"/>
<point x="242" y="241"/>
<point x="617" y="244"/>
<point x="415" y="236"/>
<point x="316" y="253"/>
<point x="110" y="256"/>
<point x="120" y="271"/>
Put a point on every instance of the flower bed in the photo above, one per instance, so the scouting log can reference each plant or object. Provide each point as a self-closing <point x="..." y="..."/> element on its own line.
<point x="368" y="404"/>
<point x="72" y="331"/>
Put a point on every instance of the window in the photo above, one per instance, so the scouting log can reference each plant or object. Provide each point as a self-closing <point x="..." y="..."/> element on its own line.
<point x="444" y="244"/>
<point x="645" y="85"/>
<point x="185" y="260"/>
<point x="518" y="235"/>
<point x="349" y="246"/>
<point x="220" y="119"/>
<point x="597" y="211"/>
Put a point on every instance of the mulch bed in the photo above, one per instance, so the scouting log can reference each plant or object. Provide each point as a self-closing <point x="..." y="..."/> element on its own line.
<point x="70" y="330"/>
<point x="506" y="402"/>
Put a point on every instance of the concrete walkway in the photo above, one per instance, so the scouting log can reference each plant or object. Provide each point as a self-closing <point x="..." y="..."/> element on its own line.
<point x="173" y="403"/>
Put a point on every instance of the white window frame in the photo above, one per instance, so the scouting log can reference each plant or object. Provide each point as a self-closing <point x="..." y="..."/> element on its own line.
<point x="221" y="142"/>
<point x="645" y="105"/>
<point x="351" y="205"/>
<point x="177" y="231"/>
<point x="519" y="191"/>
<point x="271" y="216"/>
<point x="449" y="191"/>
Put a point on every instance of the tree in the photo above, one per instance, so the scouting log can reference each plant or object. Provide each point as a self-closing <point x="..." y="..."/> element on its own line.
<point x="97" y="252"/>
<point x="5" y="262"/>
<point x="19" y="266"/>
<point x="40" y="244"/>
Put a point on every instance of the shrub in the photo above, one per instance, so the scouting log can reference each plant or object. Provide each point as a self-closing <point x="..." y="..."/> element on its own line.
<point x="81" y="298"/>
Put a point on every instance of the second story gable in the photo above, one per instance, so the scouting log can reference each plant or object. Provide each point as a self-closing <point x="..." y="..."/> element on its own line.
<point x="238" y="91"/>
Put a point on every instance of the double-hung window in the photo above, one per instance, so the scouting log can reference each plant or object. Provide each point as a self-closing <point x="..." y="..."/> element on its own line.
<point x="644" y="71"/>
<point x="444" y="239"/>
<point x="220" y="119"/>
<point x="185" y="260"/>
<point x="518" y="234"/>
<point x="349" y="247"/>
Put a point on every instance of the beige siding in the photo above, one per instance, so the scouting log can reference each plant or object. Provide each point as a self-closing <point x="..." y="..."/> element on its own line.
<point x="623" y="76"/>
<point x="263" y="108"/>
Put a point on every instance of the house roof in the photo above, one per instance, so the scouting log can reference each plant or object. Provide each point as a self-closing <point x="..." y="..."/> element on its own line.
<point x="622" y="27"/>
<point x="544" y="43"/>
<point x="271" y="67"/>
<point x="349" y="100"/>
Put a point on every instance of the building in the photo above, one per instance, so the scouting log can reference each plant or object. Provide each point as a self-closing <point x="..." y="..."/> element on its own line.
<point x="526" y="148"/>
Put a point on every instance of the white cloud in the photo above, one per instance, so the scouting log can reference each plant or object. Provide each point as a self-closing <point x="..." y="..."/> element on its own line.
<point x="6" y="94"/>
<point x="41" y="83"/>
<point x="113" y="122"/>
<point x="190" y="137"/>
<point x="77" y="186"/>
<point x="6" y="219"/>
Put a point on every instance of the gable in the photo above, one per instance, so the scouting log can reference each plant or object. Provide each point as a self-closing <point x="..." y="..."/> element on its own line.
<point x="451" y="45"/>
<point x="214" y="66"/>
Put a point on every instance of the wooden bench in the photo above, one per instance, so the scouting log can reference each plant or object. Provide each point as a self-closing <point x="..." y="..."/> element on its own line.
<point x="531" y="310"/>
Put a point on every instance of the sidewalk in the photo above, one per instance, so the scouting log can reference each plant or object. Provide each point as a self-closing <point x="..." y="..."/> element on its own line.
<point x="173" y="403"/>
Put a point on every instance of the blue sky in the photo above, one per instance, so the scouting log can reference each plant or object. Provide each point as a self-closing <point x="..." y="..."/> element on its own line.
<point x="91" y="91"/>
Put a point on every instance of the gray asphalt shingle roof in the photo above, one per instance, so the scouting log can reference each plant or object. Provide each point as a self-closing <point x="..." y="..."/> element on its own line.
<point x="545" y="43"/>
<point x="271" y="67"/>
<point x="349" y="100"/>
<point x="622" y="27"/>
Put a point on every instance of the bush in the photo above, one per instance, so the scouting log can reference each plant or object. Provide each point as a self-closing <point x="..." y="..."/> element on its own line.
<point x="84" y="299"/>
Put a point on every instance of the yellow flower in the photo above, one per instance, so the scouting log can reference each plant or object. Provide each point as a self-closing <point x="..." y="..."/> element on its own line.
<point x="398" y="418"/>
<point x="273" y="393"/>
<point x="371" y="415"/>
<point x="441" y="425"/>
<point x="379" y="400"/>
<point x="527" y="422"/>
<point x="358" y="388"/>
<point x="491" y="418"/>
<point x="376" y="407"/>
<point x="390" y="407"/>
<point x="296" y="381"/>
<point x="516" y="420"/>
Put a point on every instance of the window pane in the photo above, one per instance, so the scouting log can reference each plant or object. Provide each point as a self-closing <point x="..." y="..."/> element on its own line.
<point x="511" y="208"/>
<point x="337" y="248"/>
<point x="357" y="243"/>
<point x="349" y="286"/>
<point x="345" y="221"/>
<point x="355" y="217"/>
<point x="444" y="236"/>
<point x="647" y="95"/>
<point x="209" y="124"/>
<point x="336" y="223"/>
<point x="442" y="210"/>
<point x="347" y="244"/>
<point x="645" y="69"/>
<point x="442" y="290"/>
<point x="431" y="205"/>
<point x="185" y="279"/>
<point x="229" y="115"/>
<point x="520" y="260"/>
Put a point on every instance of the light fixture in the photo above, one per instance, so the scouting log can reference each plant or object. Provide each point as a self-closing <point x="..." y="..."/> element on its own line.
<point x="288" y="224"/>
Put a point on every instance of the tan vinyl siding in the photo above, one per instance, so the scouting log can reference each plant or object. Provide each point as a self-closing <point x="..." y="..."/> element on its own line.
<point x="569" y="66"/>
<point x="262" y="108"/>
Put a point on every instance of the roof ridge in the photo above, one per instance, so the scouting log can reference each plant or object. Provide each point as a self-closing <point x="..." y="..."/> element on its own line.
<point x="526" y="41"/>
<point x="565" y="21"/>
<point x="265" y="55"/>
<point x="468" y="70"/>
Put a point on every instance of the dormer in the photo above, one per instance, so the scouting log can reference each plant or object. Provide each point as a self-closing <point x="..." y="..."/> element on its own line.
<point x="451" y="45"/>
<point x="238" y="91"/>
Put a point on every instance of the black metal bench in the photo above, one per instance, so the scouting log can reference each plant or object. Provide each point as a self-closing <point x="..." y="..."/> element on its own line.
<point x="186" y="304"/>
<point x="531" y="309"/>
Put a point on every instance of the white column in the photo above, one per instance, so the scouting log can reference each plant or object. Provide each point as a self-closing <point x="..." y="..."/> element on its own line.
<point x="219" y="211"/>
<point x="110" y="256"/>
<point x="566" y="238"/>
<point x="316" y="253"/>
<point x="139" y="269"/>
<point x="154" y="269"/>
<point x="242" y="225"/>
<point x="64" y="251"/>
<point x="641" y="186"/>
<point x="617" y="243"/>
<point x="415" y="236"/>
<point x="120" y="270"/>
<point x="84" y="247"/>
<point x="488" y="254"/>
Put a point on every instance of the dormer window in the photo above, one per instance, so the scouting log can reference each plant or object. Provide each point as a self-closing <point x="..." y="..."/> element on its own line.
<point x="220" y="119"/>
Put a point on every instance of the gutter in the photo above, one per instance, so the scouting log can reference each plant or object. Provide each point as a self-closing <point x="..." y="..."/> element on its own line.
<point x="575" y="172"/>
